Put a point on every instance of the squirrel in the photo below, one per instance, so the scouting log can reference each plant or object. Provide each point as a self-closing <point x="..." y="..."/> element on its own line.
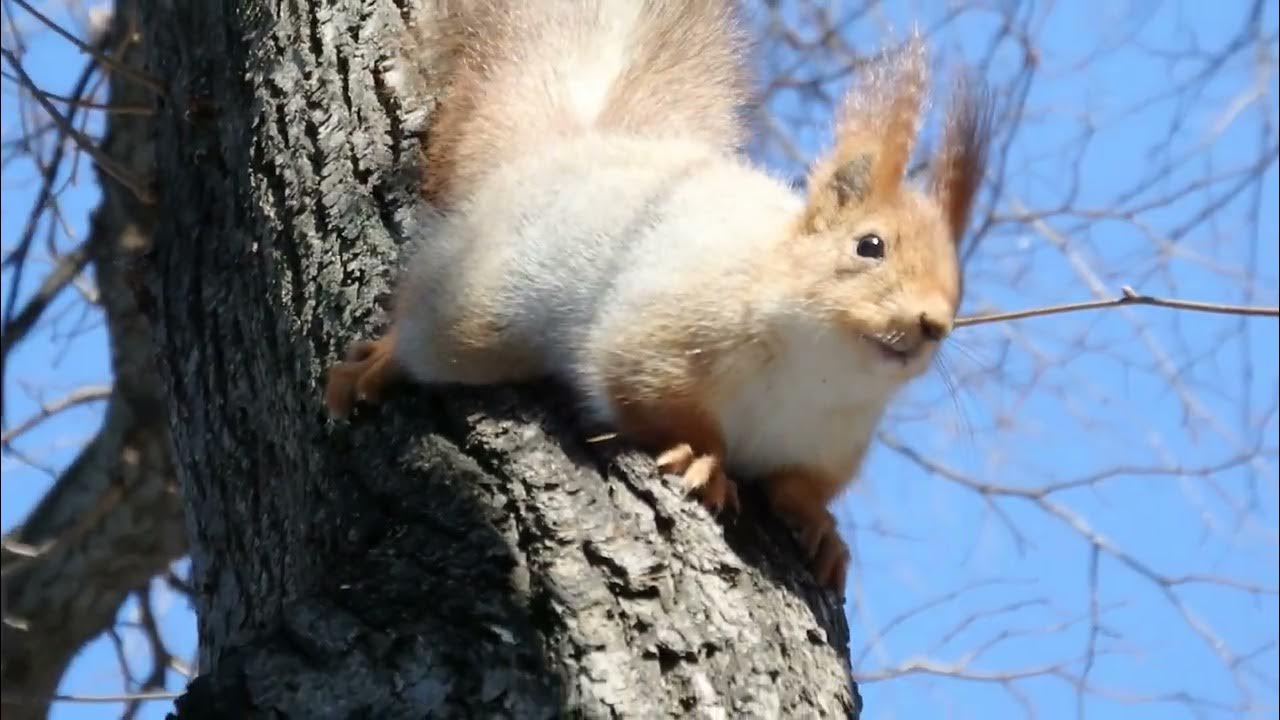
<point x="593" y="220"/>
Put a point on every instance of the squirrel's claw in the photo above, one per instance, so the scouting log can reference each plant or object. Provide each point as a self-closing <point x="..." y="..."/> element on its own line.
<point x="676" y="460"/>
<point x="702" y="476"/>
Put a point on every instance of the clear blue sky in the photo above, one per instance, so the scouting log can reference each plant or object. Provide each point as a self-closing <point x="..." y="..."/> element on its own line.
<point x="920" y="537"/>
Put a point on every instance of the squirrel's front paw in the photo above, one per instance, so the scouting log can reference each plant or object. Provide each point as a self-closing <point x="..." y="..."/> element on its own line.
<point x="362" y="377"/>
<point x="702" y="476"/>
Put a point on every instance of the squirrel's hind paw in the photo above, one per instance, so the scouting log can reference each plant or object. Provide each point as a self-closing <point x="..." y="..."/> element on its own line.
<point x="362" y="377"/>
<point x="828" y="555"/>
<point x="799" y="497"/>
<point x="702" y="476"/>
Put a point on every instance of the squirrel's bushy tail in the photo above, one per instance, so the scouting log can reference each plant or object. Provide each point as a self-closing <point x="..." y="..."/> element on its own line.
<point x="527" y="71"/>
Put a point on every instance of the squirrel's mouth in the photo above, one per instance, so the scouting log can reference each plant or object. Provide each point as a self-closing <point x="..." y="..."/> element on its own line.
<point x="898" y="347"/>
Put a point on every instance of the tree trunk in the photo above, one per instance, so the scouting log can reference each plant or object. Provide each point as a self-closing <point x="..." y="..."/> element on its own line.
<point x="452" y="553"/>
<point x="112" y="521"/>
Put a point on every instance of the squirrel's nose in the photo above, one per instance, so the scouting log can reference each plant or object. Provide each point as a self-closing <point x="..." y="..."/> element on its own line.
<point x="935" y="327"/>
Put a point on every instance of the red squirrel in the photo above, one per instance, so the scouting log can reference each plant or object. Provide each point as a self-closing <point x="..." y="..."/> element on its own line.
<point x="593" y="219"/>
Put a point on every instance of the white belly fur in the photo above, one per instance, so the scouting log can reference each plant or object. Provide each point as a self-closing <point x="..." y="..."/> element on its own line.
<point x="800" y="408"/>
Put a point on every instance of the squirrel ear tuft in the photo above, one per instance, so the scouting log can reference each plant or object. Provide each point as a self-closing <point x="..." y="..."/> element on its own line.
<point x="875" y="133"/>
<point x="961" y="161"/>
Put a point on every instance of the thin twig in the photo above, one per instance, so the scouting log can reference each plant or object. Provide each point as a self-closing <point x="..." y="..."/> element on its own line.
<point x="65" y="271"/>
<point x="159" y="653"/>
<point x="116" y="698"/>
<point x="108" y="165"/>
<point x="79" y="396"/>
<point x="87" y="104"/>
<point x="1128" y="297"/>
<point x="151" y="83"/>
<point x="50" y="171"/>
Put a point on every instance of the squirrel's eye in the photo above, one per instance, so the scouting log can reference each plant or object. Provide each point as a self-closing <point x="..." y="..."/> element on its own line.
<point x="870" y="246"/>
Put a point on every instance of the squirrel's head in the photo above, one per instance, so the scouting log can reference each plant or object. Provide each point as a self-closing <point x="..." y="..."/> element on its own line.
<point x="877" y="256"/>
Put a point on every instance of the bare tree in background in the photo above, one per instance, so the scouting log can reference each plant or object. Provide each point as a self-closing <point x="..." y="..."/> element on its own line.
<point x="112" y="520"/>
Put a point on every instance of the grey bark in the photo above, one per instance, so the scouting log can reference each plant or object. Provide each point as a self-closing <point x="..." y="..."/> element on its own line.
<point x="113" y="519"/>
<point x="454" y="553"/>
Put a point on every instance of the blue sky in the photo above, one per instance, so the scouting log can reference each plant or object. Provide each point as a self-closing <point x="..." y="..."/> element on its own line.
<point x="1040" y="401"/>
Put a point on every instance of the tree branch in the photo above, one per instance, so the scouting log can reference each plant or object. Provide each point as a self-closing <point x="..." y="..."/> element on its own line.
<point x="96" y="53"/>
<point x="107" y="164"/>
<point x="79" y="396"/>
<point x="1128" y="297"/>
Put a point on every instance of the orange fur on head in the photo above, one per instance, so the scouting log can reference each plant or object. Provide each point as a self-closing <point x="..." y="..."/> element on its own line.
<point x="875" y="133"/>
<point x="901" y="289"/>
<point x="961" y="160"/>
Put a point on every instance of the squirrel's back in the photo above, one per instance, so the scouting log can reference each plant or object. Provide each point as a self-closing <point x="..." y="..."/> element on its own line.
<point x="527" y="73"/>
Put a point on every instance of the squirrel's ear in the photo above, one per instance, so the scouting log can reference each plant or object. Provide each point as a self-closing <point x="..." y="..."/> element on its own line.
<point x="961" y="161"/>
<point x="875" y="132"/>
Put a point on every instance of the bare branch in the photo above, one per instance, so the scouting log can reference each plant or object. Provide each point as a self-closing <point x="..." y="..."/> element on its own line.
<point x="108" y="165"/>
<point x="64" y="272"/>
<point x="79" y="396"/>
<point x="1128" y="297"/>
<point x="15" y="699"/>
<point x="92" y="51"/>
<point x="85" y="104"/>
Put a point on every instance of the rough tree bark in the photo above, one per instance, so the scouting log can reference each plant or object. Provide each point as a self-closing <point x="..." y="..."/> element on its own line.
<point x="453" y="553"/>
<point x="113" y="519"/>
